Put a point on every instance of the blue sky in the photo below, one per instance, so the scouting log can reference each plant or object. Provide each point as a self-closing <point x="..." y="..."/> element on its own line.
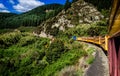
<point x="20" y="6"/>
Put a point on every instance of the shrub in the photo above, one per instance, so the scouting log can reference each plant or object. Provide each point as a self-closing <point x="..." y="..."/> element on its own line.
<point x="55" y="50"/>
<point x="42" y="43"/>
<point x="27" y="40"/>
<point x="54" y="31"/>
<point x="105" y="12"/>
<point x="2" y="31"/>
<point x="26" y="29"/>
<point x="97" y="30"/>
<point x="101" y="23"/>
<point x="9" y="39"/>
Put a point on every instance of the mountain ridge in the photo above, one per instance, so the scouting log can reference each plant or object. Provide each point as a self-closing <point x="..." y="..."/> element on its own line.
<point x="31" y="18"/>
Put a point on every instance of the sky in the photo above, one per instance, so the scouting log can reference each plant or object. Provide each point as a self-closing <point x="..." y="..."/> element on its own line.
<point x="20" y="6"/>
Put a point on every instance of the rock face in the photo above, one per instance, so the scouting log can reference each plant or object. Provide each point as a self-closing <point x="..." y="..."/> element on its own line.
<point x="80" y="12"/>
<point x="100" y="66"/>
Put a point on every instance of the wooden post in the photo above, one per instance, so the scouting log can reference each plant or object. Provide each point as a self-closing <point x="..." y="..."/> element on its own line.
<point x="99" y="39"/>
<point x="106" y="42"/>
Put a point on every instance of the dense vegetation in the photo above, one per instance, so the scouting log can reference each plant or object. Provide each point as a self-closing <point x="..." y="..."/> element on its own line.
<point x="102" y="5"/>
<point x="22" y="53"/>
<point x="30" y="18"/>
<point x="67" y="4"/>
<point x="6" y="15"/>
<point x="95" y="29"/>
<point x="25" y="54"/>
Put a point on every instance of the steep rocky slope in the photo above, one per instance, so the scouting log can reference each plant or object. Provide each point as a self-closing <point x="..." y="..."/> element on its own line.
<point x="80" y="12"/>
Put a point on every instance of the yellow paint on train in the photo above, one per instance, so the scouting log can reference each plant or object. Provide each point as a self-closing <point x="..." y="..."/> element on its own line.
<point x="114" y="21"/>
<point x="102" y="41"/>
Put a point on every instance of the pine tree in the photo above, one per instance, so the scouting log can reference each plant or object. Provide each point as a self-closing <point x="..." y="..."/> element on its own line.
<point x="74" y="1"/>
<point x="67" y="5"/>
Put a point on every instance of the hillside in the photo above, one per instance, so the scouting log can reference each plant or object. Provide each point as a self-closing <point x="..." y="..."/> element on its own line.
<point x="80" y="12"/>
<point x="6" y="15"/>
<point x="26" y="54"/>
<point x="50" y="50"/>
<point x="31" y="18"/>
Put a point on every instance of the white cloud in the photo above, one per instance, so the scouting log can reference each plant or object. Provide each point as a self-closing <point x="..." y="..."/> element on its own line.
<point x="12" y="1"/>
<point x="5" y="11"/>
<point x="26" y="5"/>
<point x="2" y="6"/>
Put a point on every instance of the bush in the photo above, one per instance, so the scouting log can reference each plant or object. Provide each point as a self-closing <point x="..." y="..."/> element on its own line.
<point x="26" y="29"/>
<point x="42" y="43"/>
<point x="9" y="39"/>
<point x="55" y="50"/>
<point x="97" y="31"/>
<point x="101" y="23"/>
<point x="105" y="12"/>
<point x="27" y="40"/>
<point x="79" y="30"/>
<point x="2" y="31"/>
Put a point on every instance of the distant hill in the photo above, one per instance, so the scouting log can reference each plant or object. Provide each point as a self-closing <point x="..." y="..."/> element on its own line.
<point x="6" y="15"/>
<point x="31" y="18"/>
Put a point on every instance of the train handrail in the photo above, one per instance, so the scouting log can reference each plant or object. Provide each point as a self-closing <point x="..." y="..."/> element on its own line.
<point x="99" y="40"/>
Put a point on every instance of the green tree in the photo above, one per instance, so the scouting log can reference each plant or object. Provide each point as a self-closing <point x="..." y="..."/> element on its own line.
<point x="74" y="1"/>
<point x="55" y="50"/>
<point x="67" y="5"/>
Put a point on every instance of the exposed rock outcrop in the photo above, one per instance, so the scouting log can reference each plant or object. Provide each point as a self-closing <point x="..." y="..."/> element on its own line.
<point x="80" y="12"/>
